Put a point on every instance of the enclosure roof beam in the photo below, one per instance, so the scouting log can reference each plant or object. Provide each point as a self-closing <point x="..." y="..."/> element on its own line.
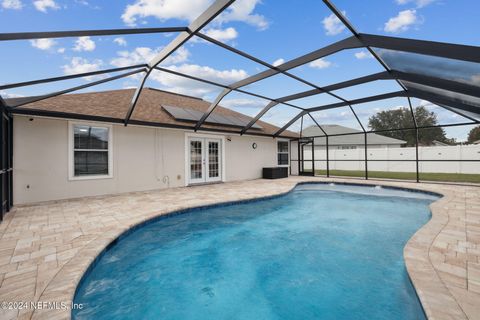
<point x="459" y="113"/>
<point x="73" y="76"/>
<point x="259" y="61"/>
<point x="24" y="101"/>
<point x="441" y="99"/>
<point x="384" y="75"/>
<point x="83" y="33"/>
<point x="351" y="42"/>
<point x="359" y="101"/>
<point x="350" y="27"/>
<point x="431" y="48"/>
<point x="222" y="86"/>
<point x="341" y="85"/>
<point x="212" y="106"/>
<point x="318" y="125"/>
<point x="449" y="85"/>
<point x="341" y="17"/>
<point x="348" y="43"/>
<point x="258" y="116"/>
<point x="208" y="15"/>
<point x="292" y="121"/>
<point x="396" y="129"/>
<point x="342" y="104"/>
<point x="415" y="124"/>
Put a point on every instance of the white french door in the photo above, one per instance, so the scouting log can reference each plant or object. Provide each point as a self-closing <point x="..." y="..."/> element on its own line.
<point x="205" y="160"/>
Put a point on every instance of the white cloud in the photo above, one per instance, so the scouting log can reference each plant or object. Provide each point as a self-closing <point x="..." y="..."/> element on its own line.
<point x="87" y="4"/>
<point x="84" y="44"/>
<point x="81" y="65"/>
<point x="475" y="79"/>
<point x="137" y="56"/>
<point x="44" y="5"/>
<point x="7" y="95"/>
<point x="246" y="106"/>
<point x="177" y="62"/>
<point x="164" y="10"/>
<point x="43" y="44"/>
<point x="142" y="55"/>
<point x="402" y="21"/>
<point x="243" y="103"/>
<point x="320" y="64"/>
<point x="333" y="25"/>
<point x="187" y="86"/>
<point x="418" y="3"/>
<point x="241" y="10"/>
<point x="120" y="41"/>
<point x="222" y="34"/>
<point x="363" y="55"/>
<point x="61" y="50"/>
<point x="12" y="4"/>
<point x="278" y="62"/>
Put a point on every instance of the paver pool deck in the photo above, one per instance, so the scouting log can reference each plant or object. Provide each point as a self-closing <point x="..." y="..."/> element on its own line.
<point x="45" y="248"/>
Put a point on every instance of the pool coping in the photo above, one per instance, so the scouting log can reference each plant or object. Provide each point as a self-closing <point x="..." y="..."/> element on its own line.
<point x="436" y="299"/>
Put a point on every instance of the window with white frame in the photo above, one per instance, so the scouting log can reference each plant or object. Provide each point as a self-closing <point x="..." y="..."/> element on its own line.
<point x="282" y="151"/>
<point x="91" y="151"/>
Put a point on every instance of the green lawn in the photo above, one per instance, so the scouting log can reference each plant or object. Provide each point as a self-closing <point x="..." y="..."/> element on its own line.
<point x="448" y="177"/>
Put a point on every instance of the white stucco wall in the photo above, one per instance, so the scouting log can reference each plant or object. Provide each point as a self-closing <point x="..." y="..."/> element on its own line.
<point x="144" y="158"/>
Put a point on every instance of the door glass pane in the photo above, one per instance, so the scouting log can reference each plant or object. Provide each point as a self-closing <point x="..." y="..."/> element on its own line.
<point x="195" y="159"/>
<point x="213" y="160"/>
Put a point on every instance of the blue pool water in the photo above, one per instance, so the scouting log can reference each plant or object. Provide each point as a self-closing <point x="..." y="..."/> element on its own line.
<point x="319" y="252"/>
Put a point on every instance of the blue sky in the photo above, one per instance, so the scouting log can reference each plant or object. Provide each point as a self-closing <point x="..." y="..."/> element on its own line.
<point x="273" y="30"/>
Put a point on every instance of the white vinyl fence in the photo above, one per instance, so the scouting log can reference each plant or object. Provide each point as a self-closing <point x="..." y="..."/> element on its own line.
<point x="467" y="152"/>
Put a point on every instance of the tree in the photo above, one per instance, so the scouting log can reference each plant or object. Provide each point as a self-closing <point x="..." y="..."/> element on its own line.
<point x="402" y="118"/>
<point x="474" y="135"/>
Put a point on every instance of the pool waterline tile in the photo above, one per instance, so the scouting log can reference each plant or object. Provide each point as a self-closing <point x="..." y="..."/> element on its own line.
<point x="82" y="228"/>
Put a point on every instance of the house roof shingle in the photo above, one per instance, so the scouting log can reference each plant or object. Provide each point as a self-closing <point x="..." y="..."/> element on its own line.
<point x="115" y="103"/>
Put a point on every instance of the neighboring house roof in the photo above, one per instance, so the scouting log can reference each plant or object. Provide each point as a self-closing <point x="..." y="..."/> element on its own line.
<point x="476" y="142"/>
<point x="439" y="143"/>
<point x="114" y="105"/>
<point x="355" y="139"/>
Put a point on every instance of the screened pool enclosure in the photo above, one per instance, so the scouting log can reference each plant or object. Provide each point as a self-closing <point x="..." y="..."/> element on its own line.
<point x="436" y="75"/>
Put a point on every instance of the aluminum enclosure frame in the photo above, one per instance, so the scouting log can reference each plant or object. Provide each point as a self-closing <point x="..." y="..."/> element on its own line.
<point x="357" y="40"/>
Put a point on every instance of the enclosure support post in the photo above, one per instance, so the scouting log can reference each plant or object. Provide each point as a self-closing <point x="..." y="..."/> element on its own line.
<point x="10" y="164"/>
<point x="298" y="157"/>
<point x="365" y="133"/>
<point x="416" y="138"/>
<point x="416" y="154"/>
<point x="313" y="157"/>
<point x="3" y="166"/>
<point x="366" y="158"/>
<point x="328" y="160"/>
<point x="289" y="157"/>
<point x="313" y="141"/>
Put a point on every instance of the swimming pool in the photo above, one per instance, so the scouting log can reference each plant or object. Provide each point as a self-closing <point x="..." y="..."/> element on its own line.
<point x="321" y="251"/>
